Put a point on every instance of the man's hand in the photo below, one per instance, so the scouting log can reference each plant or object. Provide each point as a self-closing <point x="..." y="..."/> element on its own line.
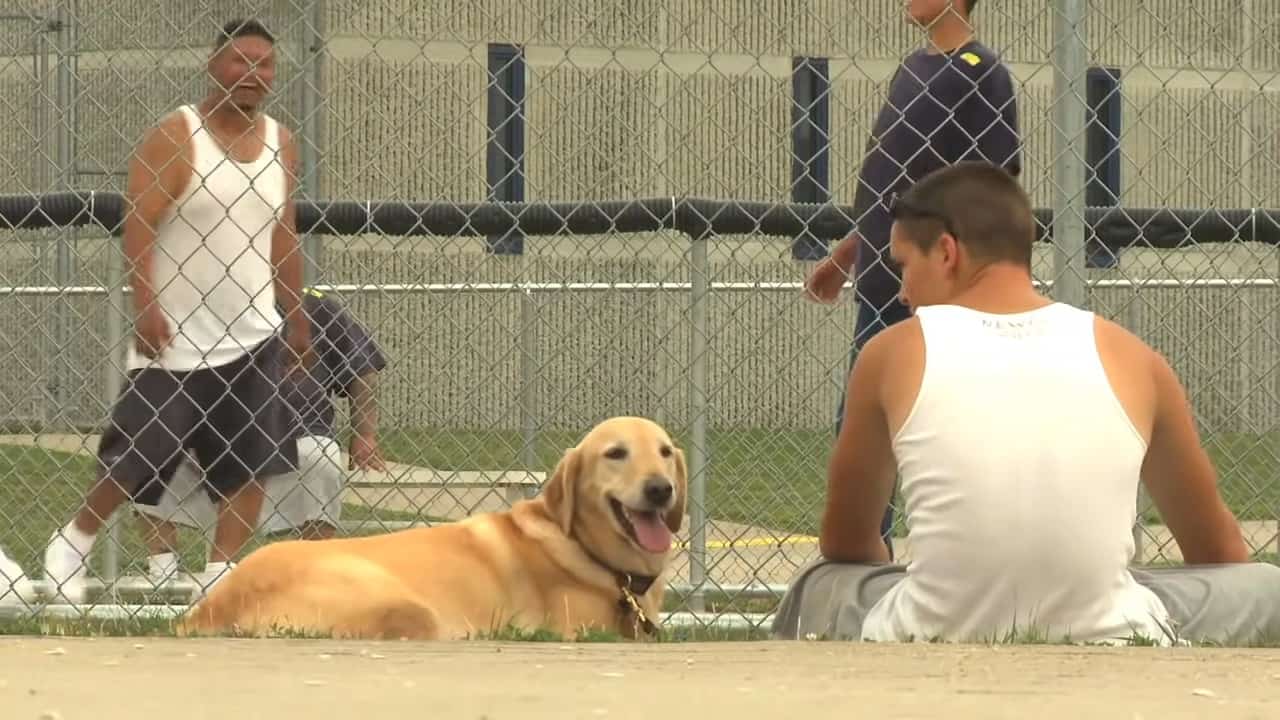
<point x="365" y="453"/>
<point x="156" y="176"/>
<point x="151" y="331"/>
<point x="825" y="282"/>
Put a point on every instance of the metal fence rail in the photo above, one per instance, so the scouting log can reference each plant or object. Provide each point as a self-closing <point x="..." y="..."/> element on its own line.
<point x="550" y="212"/>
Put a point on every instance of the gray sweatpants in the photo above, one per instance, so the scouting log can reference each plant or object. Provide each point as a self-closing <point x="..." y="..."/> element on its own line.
<point x="1225" y="604"/>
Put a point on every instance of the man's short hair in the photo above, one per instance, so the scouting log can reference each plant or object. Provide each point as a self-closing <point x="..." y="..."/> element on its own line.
<point x="979" y="203"/>
<point x="242" y="27"/>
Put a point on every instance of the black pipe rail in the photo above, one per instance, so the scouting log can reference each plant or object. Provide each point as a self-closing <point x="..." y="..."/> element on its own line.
<point x="1113" y="227"/>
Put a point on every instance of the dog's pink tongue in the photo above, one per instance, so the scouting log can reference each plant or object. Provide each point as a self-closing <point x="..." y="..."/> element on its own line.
<point x="652" y="534"/>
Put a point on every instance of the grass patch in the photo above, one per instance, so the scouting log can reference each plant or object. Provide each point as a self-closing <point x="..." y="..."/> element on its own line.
<point x="769" y="478"/>
<point x="777" y="479"/>
<point x="512" y="633"/>
<point x="162" y="627"/>
<point x="41" y="489"/>
<point x="87" y="627"/>
<point x="720" y="602"/>
<point x="673" y="633"/>
<point x="758" y="477"/>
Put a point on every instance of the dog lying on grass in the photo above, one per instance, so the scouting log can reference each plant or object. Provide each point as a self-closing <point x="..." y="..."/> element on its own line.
<point x="589" y="553"/>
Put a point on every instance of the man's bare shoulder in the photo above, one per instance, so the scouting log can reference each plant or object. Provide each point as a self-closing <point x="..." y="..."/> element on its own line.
<point x="889" y="368"/>
<point x="1166" y="383"/>
<point x="1116" y="340"/>
<point x="1141" y="378"/>
<point x="288" y="147"/>
<point x="168" y="135"/>
<point x="904" y="336"/>
<point x="160" y="163"/>
<point x="892" y="352"/>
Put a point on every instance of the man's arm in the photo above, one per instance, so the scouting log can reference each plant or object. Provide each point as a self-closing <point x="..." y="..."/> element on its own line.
<point x="363" y="397"/>
<point x="286" y="251"/>
<point x="157" y="173"/>
<point x="845" y="253"/>
<point x="1181" y="479"/>
<point x="861" y="472"/>
<point x="354" y="361"/>
<point x="365" y="451"/>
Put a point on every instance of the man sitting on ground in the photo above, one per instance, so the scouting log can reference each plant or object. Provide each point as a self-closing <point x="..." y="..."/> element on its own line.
<point x="1020" y="428"/>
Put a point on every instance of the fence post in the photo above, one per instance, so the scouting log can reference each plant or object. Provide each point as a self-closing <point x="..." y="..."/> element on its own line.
<point x="698" y="466"/>
<point x="313" y="39"/>
<point x="64" y="139"/>
<point x="45" y="175"/>
<point x="1070" y="67"/>
<point x="528" y="390"/>
<point x="112" y="377"/>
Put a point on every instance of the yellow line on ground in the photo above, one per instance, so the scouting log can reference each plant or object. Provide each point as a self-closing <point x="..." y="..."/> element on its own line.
<point x="755" y="542"/>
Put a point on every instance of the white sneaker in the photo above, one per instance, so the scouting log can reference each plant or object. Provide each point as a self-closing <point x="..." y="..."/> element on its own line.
<point x="16" y="589"/>
<point x="65" y="569"/>
<point x="161" y="568"/>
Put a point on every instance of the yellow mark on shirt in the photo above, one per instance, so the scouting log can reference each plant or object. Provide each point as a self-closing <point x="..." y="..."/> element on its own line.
<point x="970" y="58"/>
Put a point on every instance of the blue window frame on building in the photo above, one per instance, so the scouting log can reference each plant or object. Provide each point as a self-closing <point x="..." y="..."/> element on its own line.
<point x="1102" y="152"/>
<point x="504" y="151"/>
<point x="810" y="144"/>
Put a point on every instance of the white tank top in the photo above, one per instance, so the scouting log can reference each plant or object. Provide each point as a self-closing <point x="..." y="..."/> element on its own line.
<point x="1019" y="471"/>
<point x="212" y="259"/>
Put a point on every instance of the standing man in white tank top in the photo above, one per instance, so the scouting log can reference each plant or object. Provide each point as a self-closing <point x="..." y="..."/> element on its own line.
<point x="210" y="235"/>
<point x="1020" y="428"/>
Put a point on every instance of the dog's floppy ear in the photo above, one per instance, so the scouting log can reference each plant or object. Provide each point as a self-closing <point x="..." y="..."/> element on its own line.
<point x="558" y="492"/>
<point x="675" y="516"/>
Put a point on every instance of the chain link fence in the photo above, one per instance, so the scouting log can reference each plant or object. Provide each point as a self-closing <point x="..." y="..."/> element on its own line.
<point x="548" y="212"/>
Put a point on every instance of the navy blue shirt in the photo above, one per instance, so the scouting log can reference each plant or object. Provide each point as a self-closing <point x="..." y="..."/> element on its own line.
<point x="942" y="108"/>
<point x="344" y="351"/>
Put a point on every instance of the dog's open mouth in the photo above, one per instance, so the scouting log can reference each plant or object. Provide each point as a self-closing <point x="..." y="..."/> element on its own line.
<point x="645" y="527"/>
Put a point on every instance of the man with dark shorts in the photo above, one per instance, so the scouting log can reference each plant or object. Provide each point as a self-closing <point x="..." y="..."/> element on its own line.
<point x="949" y="101"/>
<point x="307" y="502"/>
<point x="210" y="236"/>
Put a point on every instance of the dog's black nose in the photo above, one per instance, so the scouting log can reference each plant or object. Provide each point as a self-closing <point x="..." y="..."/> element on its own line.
<point x="657" y="490"/>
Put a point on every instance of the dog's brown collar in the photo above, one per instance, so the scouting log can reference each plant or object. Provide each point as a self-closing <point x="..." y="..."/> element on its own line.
<point x="630" y="588"/>
<point x="638" y="584"/>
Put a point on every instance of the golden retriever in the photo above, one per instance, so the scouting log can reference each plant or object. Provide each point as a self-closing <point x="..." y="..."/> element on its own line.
<point x="590" y="552"/>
